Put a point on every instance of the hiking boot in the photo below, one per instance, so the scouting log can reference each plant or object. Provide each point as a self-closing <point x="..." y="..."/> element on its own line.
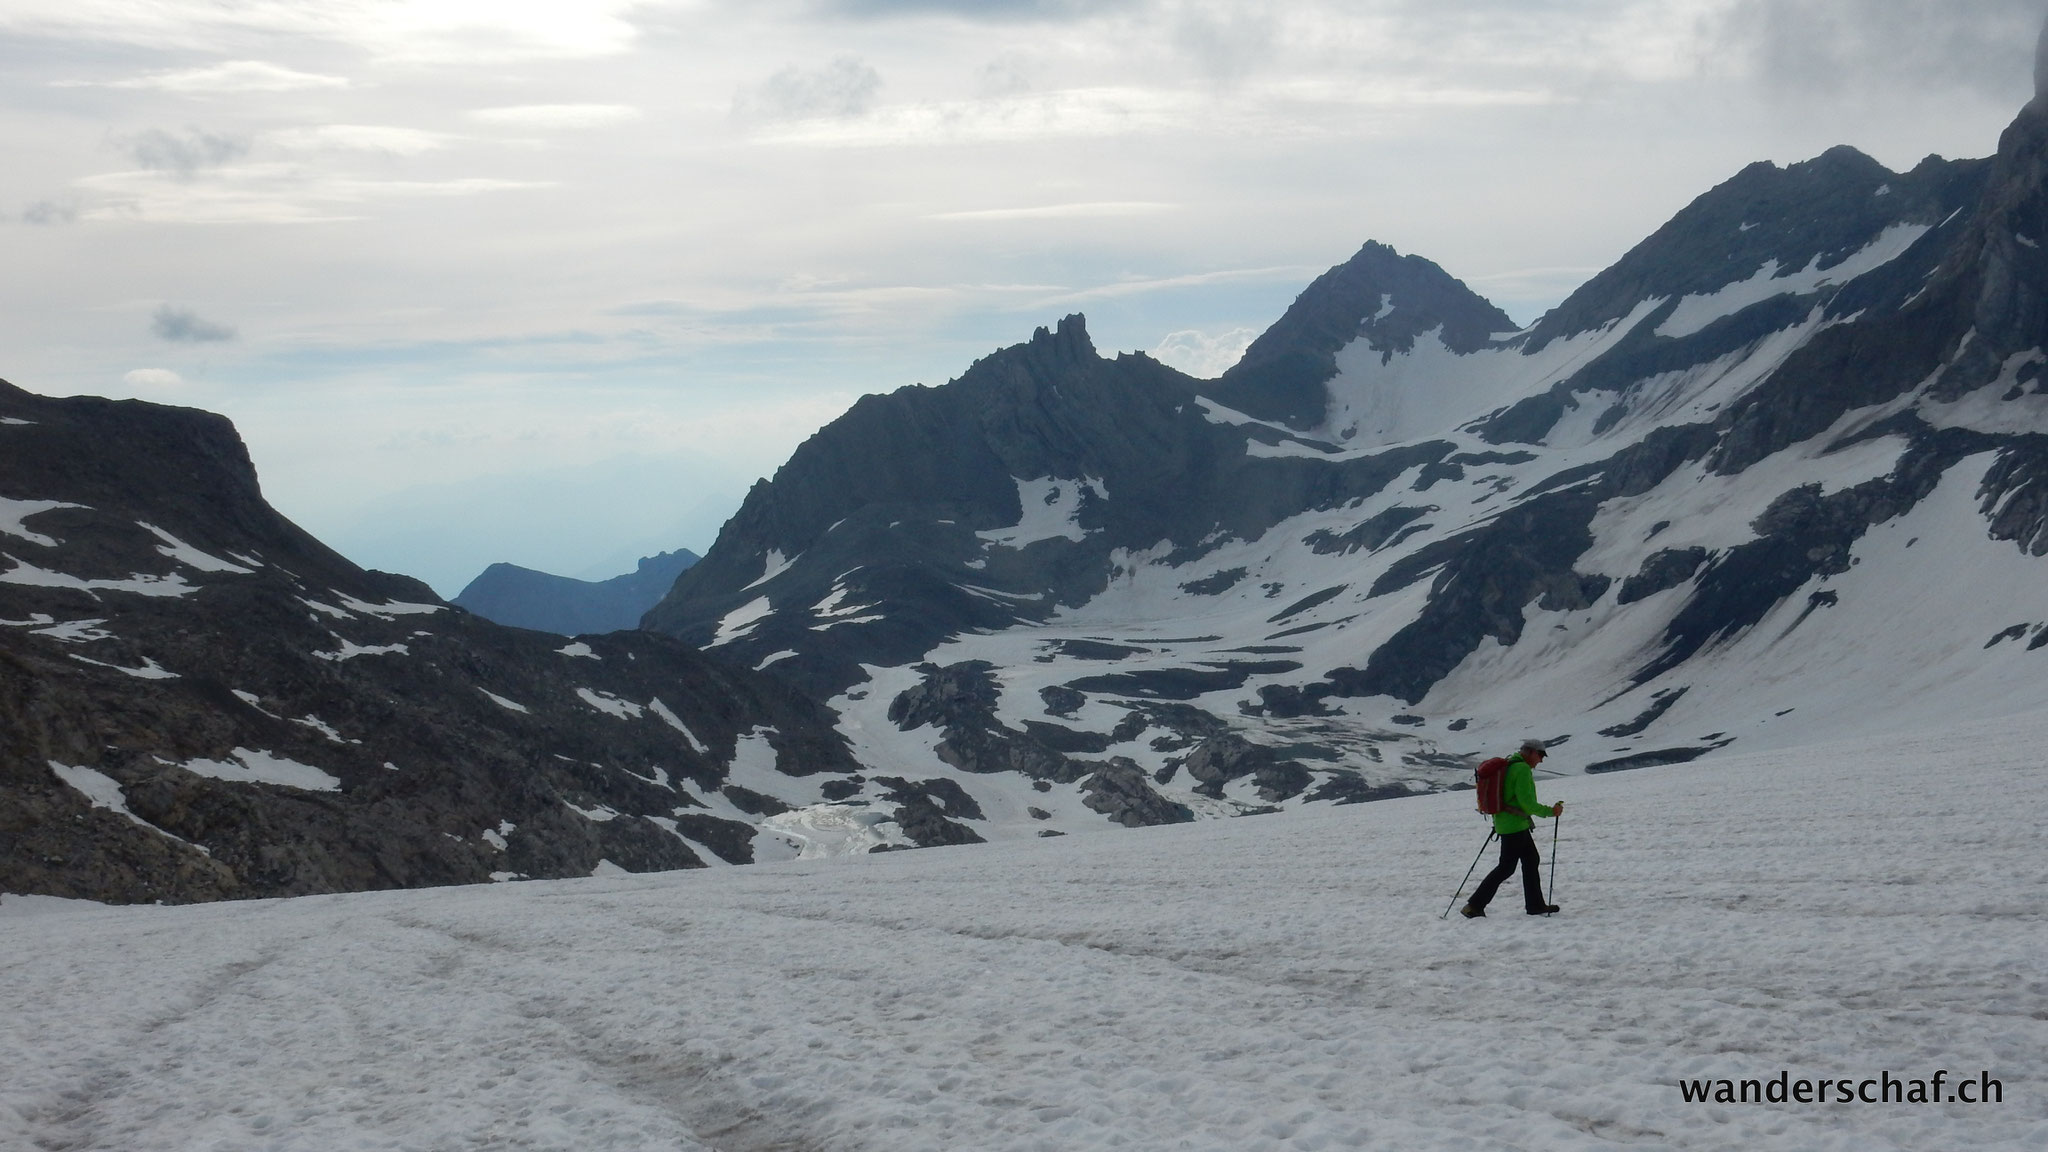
<point x="1546" y="910"/>
<point x="1471" y="913"/>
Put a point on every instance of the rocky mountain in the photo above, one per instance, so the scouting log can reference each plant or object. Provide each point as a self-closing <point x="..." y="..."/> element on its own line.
<point x="199" y="700"/>
<point x="1779" y="473"/>
<point x="524" y="598"/>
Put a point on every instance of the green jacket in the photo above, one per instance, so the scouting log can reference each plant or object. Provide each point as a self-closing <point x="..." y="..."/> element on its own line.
<point x="1518" y="799"/>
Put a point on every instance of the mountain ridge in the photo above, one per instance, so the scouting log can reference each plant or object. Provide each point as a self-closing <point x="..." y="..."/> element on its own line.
<point x="1398" y="530"/>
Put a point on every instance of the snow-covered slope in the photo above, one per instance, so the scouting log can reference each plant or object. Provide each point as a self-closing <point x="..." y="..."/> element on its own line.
<point x="1833" y="912"/>
<point x="1775" y="476"/>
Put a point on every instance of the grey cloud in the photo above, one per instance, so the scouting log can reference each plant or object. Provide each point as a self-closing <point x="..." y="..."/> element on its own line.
<point x="845" y="87"/>
<point x="47" y="212"/>
<point x="2041" y="64"/>
<point x="1004" y="76"/>
<point x="1855" y="47"/>
<point x="184" y="326"/>
<point x="184" y="155"/>
<point x="1226" y="41"/>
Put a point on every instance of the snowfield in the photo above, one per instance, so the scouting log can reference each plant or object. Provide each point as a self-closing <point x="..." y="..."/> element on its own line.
<point x="1280" y="982"/>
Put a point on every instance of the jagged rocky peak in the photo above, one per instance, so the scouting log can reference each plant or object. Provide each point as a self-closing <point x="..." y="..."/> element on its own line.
<point x="1387" y="299"/>
<point x="1064" y="346"/>
<point x="955" y="447"/>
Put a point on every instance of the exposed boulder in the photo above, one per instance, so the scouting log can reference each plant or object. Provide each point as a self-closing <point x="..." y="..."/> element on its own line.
<point x="1118" y="790"/>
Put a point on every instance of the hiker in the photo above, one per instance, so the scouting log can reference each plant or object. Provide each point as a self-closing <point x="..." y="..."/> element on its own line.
<point x="1517" y="843"/>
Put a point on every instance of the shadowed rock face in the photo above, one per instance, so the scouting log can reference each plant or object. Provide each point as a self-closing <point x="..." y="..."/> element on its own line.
<point x="275" y="720"/>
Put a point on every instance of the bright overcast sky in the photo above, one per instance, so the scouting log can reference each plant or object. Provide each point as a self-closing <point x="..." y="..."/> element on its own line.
<point x="553" y="282"/>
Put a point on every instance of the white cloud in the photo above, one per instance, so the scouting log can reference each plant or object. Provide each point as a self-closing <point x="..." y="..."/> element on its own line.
<point x="1204" y="355"/>
<point x="152" y="378"/>
<point x="235" y="76"/>
<point x="360" y="138"/>
<point x="271" y="193"/>
<point x="1141" y="285"/>
<point x="394" y="31"/>
<point x="1078" y="112"/>
<point x="556" y="116"/>
<point x="1061" y="211"/>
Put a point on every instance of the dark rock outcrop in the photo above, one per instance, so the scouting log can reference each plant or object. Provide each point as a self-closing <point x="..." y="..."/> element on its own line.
<point x="1119" y="791"/>
<point x="1660" y="703"/>
<point x="946" y="795"/>
<point x="927" y="827"/>
<point x="960" y="701"/>
<point x="1662" y="570"/>
<point x="1220" y="759"/>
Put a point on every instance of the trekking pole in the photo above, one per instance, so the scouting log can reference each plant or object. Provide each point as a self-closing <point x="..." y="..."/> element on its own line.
<point x="1468" y="876"/>
<point x="1555" y="823"/>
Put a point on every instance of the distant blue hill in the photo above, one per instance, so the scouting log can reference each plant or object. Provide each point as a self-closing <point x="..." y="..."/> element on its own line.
<point x="524" y="598"/>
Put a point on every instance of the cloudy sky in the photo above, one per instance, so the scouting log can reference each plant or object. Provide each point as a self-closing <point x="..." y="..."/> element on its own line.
<point x="554" y="282"/>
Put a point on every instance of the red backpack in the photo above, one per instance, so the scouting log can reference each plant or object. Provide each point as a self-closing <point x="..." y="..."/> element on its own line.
<point x="1487" y="782"/>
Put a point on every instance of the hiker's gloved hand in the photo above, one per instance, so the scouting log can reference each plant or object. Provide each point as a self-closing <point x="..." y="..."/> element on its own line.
<point x="1557" y="809"/>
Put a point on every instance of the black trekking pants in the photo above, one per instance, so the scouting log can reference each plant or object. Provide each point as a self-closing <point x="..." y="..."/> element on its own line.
<point x="1515" y="848"/>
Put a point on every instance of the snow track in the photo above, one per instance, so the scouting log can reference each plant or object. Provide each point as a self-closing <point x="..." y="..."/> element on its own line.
<point x="1271" y="983"/>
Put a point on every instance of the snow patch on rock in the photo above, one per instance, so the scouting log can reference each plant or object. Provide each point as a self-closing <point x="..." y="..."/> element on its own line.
<point x="349" y="650"/>
<point x="388" y="610"/>
<point x="189" y="556"/>
<point x="150" y="669"/>
<point x="141" y="584"/>
<point x="1051" y="511"/>
<point x="14" y="512"/>
<point x="610" y="704"/>
<point x="1694" y="313"/>
<point x="668" y="717"/>
<point x="253" y="766"/>
<point x="741" y="620"/>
